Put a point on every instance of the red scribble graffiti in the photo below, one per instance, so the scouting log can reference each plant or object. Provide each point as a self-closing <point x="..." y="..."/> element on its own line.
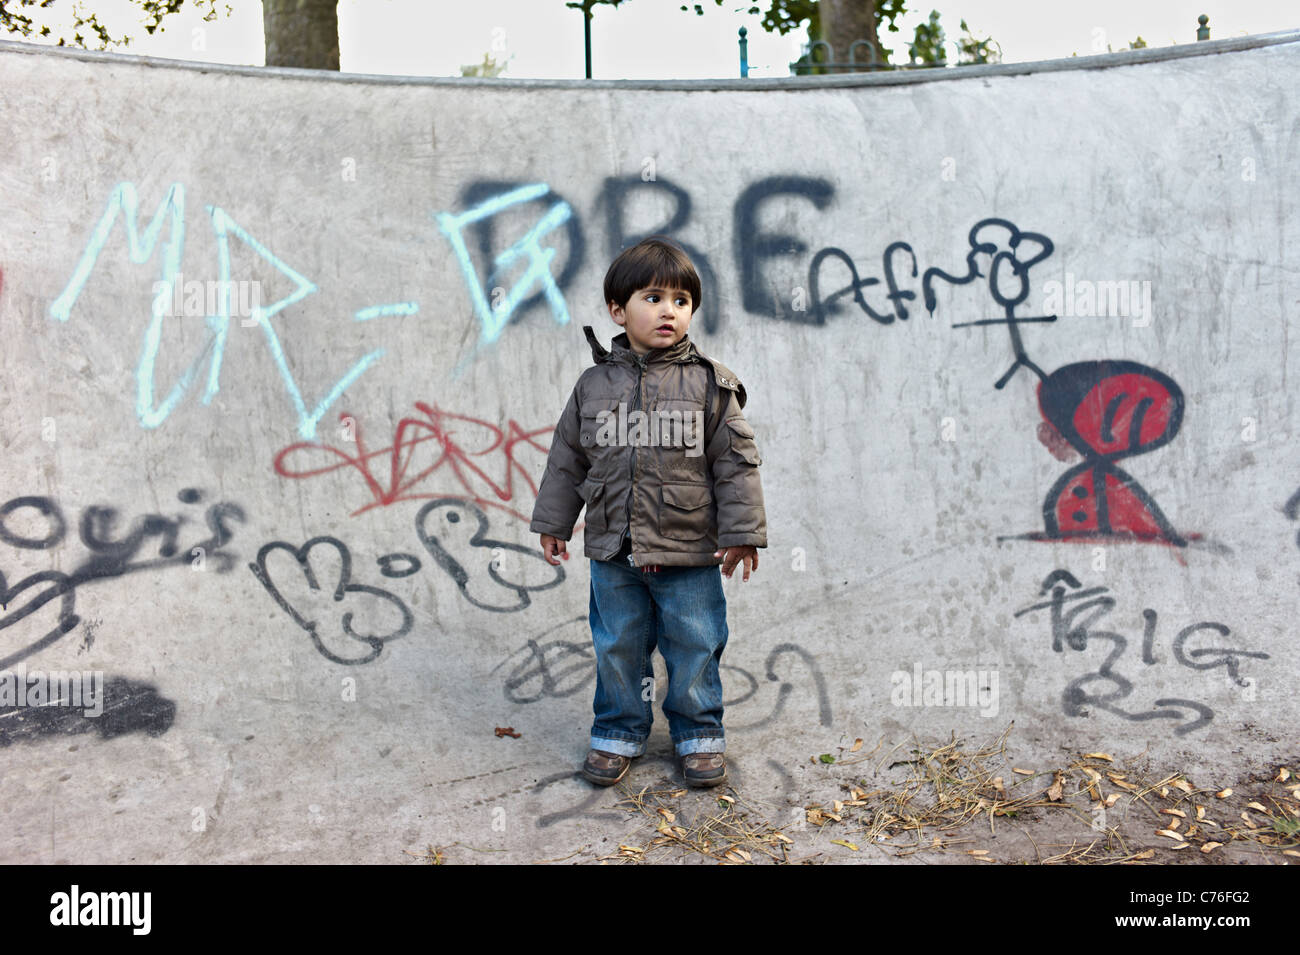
<point x="453" y="436"/>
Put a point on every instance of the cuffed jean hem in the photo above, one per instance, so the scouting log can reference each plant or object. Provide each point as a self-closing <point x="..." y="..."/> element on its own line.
<point x="701" y="744"/>
<point x="619" y="747"/>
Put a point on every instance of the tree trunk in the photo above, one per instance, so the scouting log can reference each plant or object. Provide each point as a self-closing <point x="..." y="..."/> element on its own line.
<point x="845" y="21"/>
<point x="302" y="33"/>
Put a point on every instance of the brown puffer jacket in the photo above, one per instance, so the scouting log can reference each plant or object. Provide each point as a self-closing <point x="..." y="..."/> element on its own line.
<point x="681" y="495"/>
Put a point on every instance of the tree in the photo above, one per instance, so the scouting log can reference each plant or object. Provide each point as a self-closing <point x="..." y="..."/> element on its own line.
<point x="841" y="22"/>
<point x="302" y="33"/>
<point x="489" y="67"/>
<point x="14" y="20"/>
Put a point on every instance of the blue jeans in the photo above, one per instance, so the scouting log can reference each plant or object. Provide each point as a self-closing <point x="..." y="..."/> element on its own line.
<point x="681" y="610"/>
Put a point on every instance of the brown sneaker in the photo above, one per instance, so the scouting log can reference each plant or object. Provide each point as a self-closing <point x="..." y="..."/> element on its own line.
<point x="704" y="769"/>
<point x="605" y="769"/>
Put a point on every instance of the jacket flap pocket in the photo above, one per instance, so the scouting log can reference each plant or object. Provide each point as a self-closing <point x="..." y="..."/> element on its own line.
<point x="592" y="491"/>
<point x="740" y="426"/>
<point x="687" y="497"/>
<point x="742" y="441"/>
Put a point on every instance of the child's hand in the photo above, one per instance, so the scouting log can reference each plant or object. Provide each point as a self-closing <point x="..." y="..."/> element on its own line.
<point x="553" y="547"/>
<point x="734" y="555"/>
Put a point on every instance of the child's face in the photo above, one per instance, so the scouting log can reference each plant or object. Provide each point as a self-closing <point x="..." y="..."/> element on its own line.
<point x="654" y="317"/>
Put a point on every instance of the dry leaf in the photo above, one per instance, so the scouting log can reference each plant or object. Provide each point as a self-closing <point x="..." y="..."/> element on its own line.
<point x="1183" y="785"/>
<point x="1283" y="774"/>
<point x="1246" y="819"/>
<point x="1022" y="772"/>
<point x="845" y="843"/>
<point x="1291" y="852"/>
<point x="1200" y="812"/>
<point x="1258" y="808"/>
<point x="1175" y="824"/>
<point x="997" y="784"/>
<point x="1184" y="845"/>
<point x="977" y="852"/>
<point x="1054" y="791"/>
<point x="1145" y="854"/>
<point x="1169" y="833"/>
<point x="837" y="806"/>
<point x="857" y="745"/>
<point x="1108" y="758"/>
<point x="1175" y="812"/>
<point x="1111" y="799"/>
<point x="667" y="814"/>
<point x="1223" y="793"/>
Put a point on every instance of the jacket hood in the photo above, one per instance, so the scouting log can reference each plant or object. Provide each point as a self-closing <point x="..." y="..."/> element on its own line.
<point x="620" y="349"/>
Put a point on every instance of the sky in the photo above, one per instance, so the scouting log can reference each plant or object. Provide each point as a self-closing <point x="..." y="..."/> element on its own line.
<point x="654" y="39"/>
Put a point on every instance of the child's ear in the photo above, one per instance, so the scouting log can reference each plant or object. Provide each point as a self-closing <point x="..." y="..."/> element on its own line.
<point x="616" y="313"/>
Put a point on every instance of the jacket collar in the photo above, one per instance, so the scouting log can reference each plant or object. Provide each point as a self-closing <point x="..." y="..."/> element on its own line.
<point x="621" y="351"/>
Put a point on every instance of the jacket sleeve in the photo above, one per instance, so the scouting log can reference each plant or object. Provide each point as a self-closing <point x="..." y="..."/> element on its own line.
<point x="559" y="499"/>
<point x="734" y="460"/>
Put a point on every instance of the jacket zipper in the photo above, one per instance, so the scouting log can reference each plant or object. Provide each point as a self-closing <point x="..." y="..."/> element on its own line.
<point x="632" y="466"/>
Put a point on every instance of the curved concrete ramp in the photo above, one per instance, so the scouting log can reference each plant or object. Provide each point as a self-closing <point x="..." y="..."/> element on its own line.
<point x="1019" y="355"/>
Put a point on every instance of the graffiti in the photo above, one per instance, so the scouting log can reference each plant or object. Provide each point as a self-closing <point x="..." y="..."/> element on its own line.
<point x="451" y="530"/>
<point x="343" y="586"/>
<point x="753" y="245"/>
<point x="787" y="688"/>
<point x="109" y="557"/>
<point x="1108" y="410"/>
<point x="451" y="438"/>
<point x="1102" y="688"/>
<point x="439" y="527"/>
<point x="1103" y="410"/>
<point x="1292" y="511"/>
<point x="129" y="707"/>
<point x="558" y="668"/>
<point x="171" y="211"/>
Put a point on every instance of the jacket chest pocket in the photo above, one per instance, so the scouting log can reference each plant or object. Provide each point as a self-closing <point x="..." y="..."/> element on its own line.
<point x="598" y="425"/>
<point x="678" y="424"/>
<point x="684" y="512"/>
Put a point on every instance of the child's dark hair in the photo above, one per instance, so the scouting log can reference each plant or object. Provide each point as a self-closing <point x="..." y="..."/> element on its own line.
<point x="654" y="261"/>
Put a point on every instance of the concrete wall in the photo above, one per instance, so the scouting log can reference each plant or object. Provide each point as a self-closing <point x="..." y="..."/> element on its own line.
<point x="980" y="439"/>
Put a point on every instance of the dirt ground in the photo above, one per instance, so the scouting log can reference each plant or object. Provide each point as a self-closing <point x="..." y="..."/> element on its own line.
<point x="950" y="802"/>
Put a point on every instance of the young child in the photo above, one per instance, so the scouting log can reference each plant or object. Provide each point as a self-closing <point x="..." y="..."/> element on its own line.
<point x="653" y="443"/>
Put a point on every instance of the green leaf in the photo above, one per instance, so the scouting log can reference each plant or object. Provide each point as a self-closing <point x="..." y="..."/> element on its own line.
<point x="826" y="758"/>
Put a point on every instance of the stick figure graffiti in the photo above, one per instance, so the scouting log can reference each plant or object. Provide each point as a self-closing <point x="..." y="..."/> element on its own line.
<point x="1104" y="410"/>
